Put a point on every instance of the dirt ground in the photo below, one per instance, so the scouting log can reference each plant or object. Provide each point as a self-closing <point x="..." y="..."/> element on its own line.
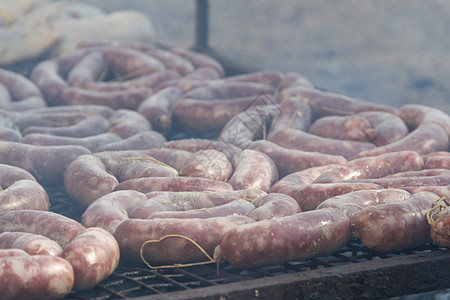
<point x="391" y="52"/>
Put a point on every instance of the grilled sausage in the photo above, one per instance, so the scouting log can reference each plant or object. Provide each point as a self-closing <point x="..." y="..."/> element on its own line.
<point x="396" y="226"/>
<point x="386" y="127"/>
<point x="24" y="194"/>
<point x="297" y="237"/>
<point x="290" y="160"/>
<point x="208" y="163"/>
<point x="253" y="169"/>
<point x="35" y="277"/>
<point x="33" y="244"/>
<point x="274" y="205"/>
<point x="173" y="250"/>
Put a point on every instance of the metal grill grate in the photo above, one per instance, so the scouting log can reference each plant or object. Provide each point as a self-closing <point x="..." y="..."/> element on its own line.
<point x="131" y="280"/>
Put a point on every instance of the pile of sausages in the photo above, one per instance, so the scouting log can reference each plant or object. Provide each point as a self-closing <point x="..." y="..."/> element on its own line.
<point x="177" y="163"/>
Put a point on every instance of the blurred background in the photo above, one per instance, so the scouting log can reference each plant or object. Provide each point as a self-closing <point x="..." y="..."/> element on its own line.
<point x="391" y="52"/>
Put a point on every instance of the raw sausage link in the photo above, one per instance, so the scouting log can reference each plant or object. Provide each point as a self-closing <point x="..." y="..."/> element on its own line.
<point x="297" y="237"/>
<point x="353" y="202"/>
<point x="174" y="184"/>
<point x="303" y="177"/>
<point x="415" y="115"/>
<point x="328" y="103"/>
<point x="205" y="232"/>
<point x="157" y="108"/>
<point x="57" y="227"/>
<point x="290" y="160"/>
<point x="139" y="141"/>
<point x="33" y="244"/>
<point x="274" y="205"/>
<point x="94" y="255"/>
<point x="427" y="138"/>
<point x="35" y="277"/>
<point x="396" y="226"/>
<point x="387" y="127"/>
<point x="374" y="167"/>
<point x="291" y="113"/>
<point x="24" y="194"/>
<point x="253" y="169"/>
<point x="145" y="167"/>
<point x="247" y="126"/>
<point x="351" y="128"/>
<point x="112" y="209"/>
<point x="46" y="163"/>
<point x="297" y="139"/>
<point x="310" y="196"/>
<point x="86" y="179"/>
<point x="208" y="163"/>
<point x="126" y="123"/>
<point x="239" y="207"/>
<point x="400" y="182"/>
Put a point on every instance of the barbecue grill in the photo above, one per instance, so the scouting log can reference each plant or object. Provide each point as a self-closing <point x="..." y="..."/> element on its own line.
<point x="354" y="272"/>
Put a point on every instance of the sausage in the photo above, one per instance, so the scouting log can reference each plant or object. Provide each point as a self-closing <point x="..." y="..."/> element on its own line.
<point x="351" y="128"/>
<point x="297" y="139"/>
<point x="131" y="63"/>
<point x="171" y="60"/>
<point x="292" y="84"/>
<point x="303" y="177"/>
<point x="33" y="244"/>
<point x="174" y="250"/>
<point x="149" y="81"/>
<point x="353" y="202"/>
<point x="54" y="226"/>
<point x="87" y="179"/>
<point x="24" y="194"/>
<point x="247" y="126"/>
<point x="139" y="141"/>
<point x="9" y="134"/>
<point x="35" y="277"/>
<point x="440" y="190"/>
<point x="110" y="210"/>
<point x="239" y="207"/>
<point x="274" y="205"/>
<point x="94" y="255"/>
<point x="183" y="201"/>
<point x="10" y="174"/>
<point x="425" y="139"/>
<point x="374" y="167"/>
<point x="199" y="60"/>
<point x="387" y="127"/>
<point x="85" y="110"/>
<point x="205" y="116"/>
<point x="92" y="142"/>
<point x="396" y="226"/>
<point x="253" y="169"/>
<point x="229" y="90"/>
<point x="46" y="163"/>
<point x="311" y="195"/>
<point x="438" y="159"/>
<point x="117" y="99"/>
<point x="93" y="252"/>
<point x="291" y="113"/>
<point x="125" y="123"/>
<point x="12" y="252"/>
<point x="415" y="115"/>
<point x="400" y="182"/>
<point x="174" y="184"/>
<point x="87" y="127"/>
<point x="115" y="160"/>
<point x="46" y="76"/>
<point x="196" y="144"/>
<point x="297" y="237"/>
<point x="196" y="78"/>
<point x="327" y="103"/>
<point x="24" y="94"/>
<point x="290" y="160"/>
<point x="208" y="163"/>
<point x="145" y="167"/>
<point x="424" y="172"/>
<point x="92" y="67"/>
<point x="157" y="108"/>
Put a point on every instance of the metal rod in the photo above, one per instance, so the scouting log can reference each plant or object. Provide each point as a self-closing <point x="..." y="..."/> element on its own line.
<point x="202" y="24"/>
